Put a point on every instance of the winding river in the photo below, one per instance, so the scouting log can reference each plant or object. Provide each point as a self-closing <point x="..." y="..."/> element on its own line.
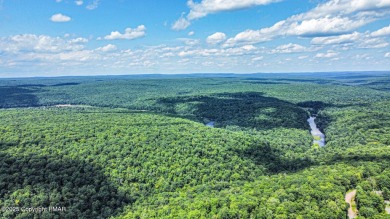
<point x="317" y="134"/>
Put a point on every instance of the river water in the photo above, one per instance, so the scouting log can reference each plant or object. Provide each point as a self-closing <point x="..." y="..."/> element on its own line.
<point x="316" y="132"/>
<point x="210" y="124"/>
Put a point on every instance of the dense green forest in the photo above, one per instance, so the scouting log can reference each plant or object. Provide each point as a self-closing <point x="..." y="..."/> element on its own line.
<point x="138" y="147"/>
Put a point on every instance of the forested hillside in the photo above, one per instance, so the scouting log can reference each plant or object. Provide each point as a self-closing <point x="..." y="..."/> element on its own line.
<point x="126" y="147"/>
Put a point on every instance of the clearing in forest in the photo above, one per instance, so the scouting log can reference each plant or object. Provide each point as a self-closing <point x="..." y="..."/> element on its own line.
<point x="350" y="199"/>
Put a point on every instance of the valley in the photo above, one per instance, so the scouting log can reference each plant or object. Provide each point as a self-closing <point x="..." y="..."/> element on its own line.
<point x="195" y="146"/>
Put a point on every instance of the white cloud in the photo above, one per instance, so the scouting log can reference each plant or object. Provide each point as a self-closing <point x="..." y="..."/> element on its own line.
<point x="290" y="48"/>
<point x="372" y="43"/>
<point x="60" y="18"/>
<point x="129" y="34"/>
<point x="191" y="33"/>
<point x="107" y="48"/>
<point x="348" y="7"/>
<point x="259" y="58"/>
<point x="353" y="40"/>
<point x="41" y="43"/>
<point x="255" y="36"/>
<point x="381" y="32"/>
<point x="68" y="56"/>
<point x="328" y="54"/>
<point x="238" y="51"/>
<point x="216" y="38"/>
<point x="181" y="24"/>
<point x="198" y="52"/>
<point x="93" y="5"/>
<point x="168" y="54"/>
<point x="324" y="26"/>
<point x="345" y="38"/>
<point x="387" y="55"/>
<point x="205" y="7"/>
<point x="362" y="57"/>
<point x="303" y="57"/>
<point x="78" y="40"/>
<point x="79" y="2"/>
<point x="335" y="17"/>
<point x="189" y="42"/>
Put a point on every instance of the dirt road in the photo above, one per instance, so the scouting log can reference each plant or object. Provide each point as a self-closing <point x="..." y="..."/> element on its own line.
<point x="350" y="198"/>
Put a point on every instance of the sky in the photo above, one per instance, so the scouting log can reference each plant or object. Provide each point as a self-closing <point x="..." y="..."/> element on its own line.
<point x="111" y="37"/>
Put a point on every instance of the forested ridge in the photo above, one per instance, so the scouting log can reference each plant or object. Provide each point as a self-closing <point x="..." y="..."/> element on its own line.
<point x="138" y="147"/>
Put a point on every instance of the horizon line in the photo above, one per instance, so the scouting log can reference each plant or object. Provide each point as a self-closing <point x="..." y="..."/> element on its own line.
<point x="208" y="73"/>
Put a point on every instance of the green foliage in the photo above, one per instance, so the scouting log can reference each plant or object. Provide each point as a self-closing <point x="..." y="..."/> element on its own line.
<point x="314" y="193"/>
<point x="138" y="148"/>
<point x="32" y="180"/>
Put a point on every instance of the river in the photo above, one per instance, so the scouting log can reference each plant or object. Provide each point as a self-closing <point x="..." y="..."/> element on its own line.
<point x="210" y="124"/>
<point x="316" y="132"/>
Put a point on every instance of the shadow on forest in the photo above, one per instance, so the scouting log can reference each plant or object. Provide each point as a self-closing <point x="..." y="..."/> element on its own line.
<point x="323" y="120"/>
<point x="17" y="97"/>
<point x="350" y="158"/>
<point x="65" y="84"/>
<point x="275" y="162"/>
<point x="43" y="181"/>
<point x="245" y="109"/>
<point x="273" y="159"/>
<point x="31" y="85"/>
<point x="263" y="82"/>
<point x="286" y="80"/>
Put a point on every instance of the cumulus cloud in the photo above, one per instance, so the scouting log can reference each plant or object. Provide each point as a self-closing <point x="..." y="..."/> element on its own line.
<point x="60" y="18"/>
<point x="67" y="56"/>
<point x="387" y="55"/>
<point x="180" y="24"/>
<point x="290" y="48"/>
<point x="335" y="17"/>
<point x="324" y="26"/>
<point x="381" y="32"/>
<point x="189" y="42"/>
<point x="79" y="2"/>
<point x="28" y="50"/>
<point x="355" y="39"/>
<point x="78" y="40"/>
<point x="40" y="43"/>
<point x="206" y="7"/>
<point x="255" y="36"/>
<point x="191" y="33"/>
<point x="129" y="34"/>
<point x="238" y="51"/>
<point x="216" y="38"/>
<point x="345" y="38"/>
<point x="107" y="48"/>
<point x="348" y="7"/>
<point x="372" y="43"/>
<point x="328" y="54"/>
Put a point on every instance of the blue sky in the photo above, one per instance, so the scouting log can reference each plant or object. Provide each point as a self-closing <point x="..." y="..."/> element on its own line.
<point x="101" y="37"/>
